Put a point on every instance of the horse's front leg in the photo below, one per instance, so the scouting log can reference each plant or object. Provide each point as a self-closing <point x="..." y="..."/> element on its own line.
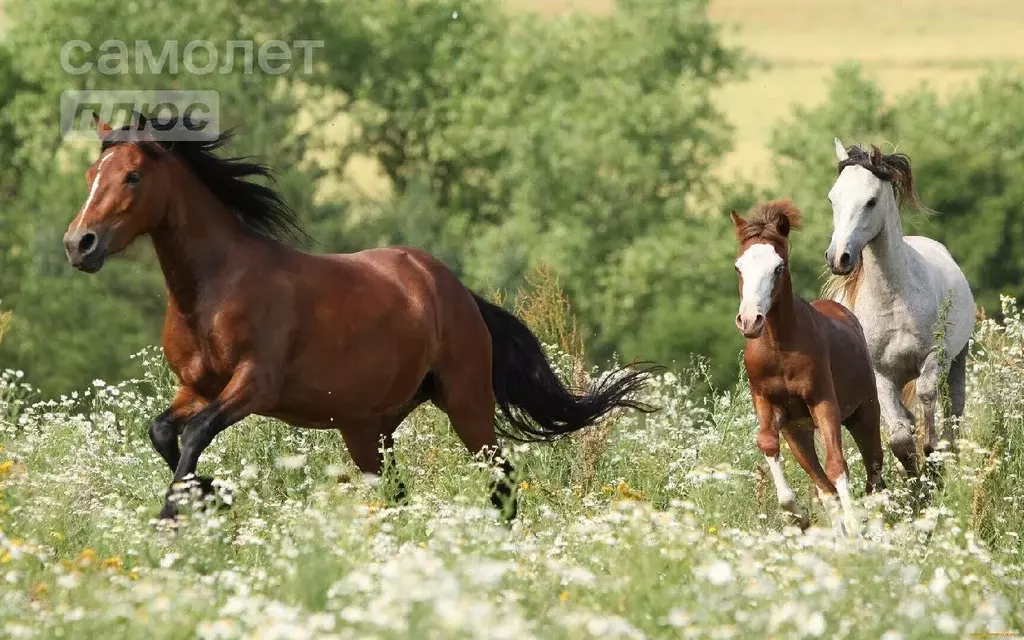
<point x="166" y="427"/>
<point x="250" y="390"/>
<point x="769" y="418"/>
<point x="824" y="410"/>
<point x="899" y="422"/>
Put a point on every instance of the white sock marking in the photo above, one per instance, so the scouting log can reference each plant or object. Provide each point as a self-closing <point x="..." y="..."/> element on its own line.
<point x="849" y="510"/>
<point x="786" y="496"/>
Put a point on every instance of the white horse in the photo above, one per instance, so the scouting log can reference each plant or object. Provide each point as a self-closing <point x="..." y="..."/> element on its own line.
<point x="910" y="296"/>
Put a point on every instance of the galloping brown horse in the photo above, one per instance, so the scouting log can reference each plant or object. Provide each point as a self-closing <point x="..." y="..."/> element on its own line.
<point x="808" y="366"/>
<point x="350" y="342"/>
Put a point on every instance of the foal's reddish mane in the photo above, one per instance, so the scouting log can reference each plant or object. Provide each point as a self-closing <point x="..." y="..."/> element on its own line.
<point x="771" y="221"/>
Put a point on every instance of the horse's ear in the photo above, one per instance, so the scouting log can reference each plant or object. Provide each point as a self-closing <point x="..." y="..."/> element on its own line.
<point x="737" y="221"/>
<point x="783" y="226"/>
<point x="876" y="156"/>
<point x="138" y="121"/>
<point x="841" y="154"/>
<point x="102" y="128"/>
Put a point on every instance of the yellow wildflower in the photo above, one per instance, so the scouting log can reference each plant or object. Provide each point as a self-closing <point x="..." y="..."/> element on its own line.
<point x="113" y="562"/>
<point x="87" y="557"/>
<point x="564" y="596"/>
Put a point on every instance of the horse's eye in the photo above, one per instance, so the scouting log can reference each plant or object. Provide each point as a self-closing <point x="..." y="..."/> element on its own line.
<point x="133" y="177"/>
<point x="779" y="269"/>
<point x="872" y="202"/>
<point x="736" y="268"/>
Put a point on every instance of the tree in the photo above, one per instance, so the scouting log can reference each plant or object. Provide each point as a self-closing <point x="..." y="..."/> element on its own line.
<point x="963" y="167"/>
<point x="582" y="143"/>
<point x="72" y="327"/>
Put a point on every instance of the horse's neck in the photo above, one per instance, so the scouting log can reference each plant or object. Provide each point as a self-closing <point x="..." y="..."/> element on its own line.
<point x="886" y="270"/>
<point x="196" y="242"/>
<point x="781" y="324"/>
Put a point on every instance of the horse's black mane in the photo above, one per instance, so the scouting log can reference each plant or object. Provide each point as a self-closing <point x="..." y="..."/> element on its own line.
<point x="260" y="208"/>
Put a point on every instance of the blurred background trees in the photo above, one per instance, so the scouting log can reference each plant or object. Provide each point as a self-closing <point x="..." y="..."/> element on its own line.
<point x="498" y="140"/>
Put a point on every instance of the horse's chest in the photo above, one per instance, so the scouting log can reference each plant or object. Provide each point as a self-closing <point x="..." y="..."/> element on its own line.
<point x="196" y="356"/>
<point x="782" y="382"/>
<point x="893" y="342"/>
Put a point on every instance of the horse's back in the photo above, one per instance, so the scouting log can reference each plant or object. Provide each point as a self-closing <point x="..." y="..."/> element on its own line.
<point x="435" y="292"/>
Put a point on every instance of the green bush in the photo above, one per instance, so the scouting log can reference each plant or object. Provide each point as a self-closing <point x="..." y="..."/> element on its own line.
<point x="968" y="168"/>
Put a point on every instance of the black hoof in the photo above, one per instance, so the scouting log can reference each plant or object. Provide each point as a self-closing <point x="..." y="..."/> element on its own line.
<point x="169" y="513"/>
<point x="401" y="494"/>
<point x="504" y="498"/>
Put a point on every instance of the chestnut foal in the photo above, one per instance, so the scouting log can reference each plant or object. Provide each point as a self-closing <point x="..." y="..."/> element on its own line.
<point x="808" y="366"/>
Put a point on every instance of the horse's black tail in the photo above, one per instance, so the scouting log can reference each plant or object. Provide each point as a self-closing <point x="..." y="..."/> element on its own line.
<point x="534" y="402"/>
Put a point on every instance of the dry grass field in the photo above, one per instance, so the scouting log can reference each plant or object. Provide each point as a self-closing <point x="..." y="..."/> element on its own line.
<point x="902" y="44"/>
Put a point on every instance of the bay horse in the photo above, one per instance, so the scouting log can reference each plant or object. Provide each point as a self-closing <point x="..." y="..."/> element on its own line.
<point x="352" y="342"/>
<point x="905" y="290"/>
<point x="807" y="365"/>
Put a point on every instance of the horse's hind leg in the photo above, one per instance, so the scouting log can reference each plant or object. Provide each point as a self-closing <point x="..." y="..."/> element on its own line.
<point x="928" y="383"/>
<point x="801" y="444"/>
<point x="468" y="399"/>
<point x="368" y="440"/>
<point x="957" y="397"/>
<point x="865" y="427"/>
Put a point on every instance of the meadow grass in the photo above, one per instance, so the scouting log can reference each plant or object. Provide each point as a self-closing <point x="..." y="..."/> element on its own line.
<point x="658" y="526"/>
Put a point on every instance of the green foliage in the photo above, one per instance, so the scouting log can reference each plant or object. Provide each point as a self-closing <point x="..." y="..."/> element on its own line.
<point x="586" y="143"/>
<point x="963" y="168"/>
<point x="581" y="143"/>
<point x="509" y="140"/>
<point x="72" y="328"/>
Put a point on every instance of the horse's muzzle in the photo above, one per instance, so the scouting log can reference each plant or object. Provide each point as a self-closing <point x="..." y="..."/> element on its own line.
<point x="841" y="264"/>
<point x="750" y="327"/>
<point x="86" y="250"/>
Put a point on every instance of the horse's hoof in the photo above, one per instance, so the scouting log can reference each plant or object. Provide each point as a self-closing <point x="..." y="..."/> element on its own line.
<point x="904" y="447"/>
<point x="168" y="518"/>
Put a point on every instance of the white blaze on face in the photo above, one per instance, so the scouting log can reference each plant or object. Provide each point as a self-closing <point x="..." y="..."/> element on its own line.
<point x="92" y="191"/>
<point x="759" y="266"/>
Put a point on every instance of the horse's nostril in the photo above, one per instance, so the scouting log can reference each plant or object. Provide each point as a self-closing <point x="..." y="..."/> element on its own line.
<point x="758" y="319"/>
<point x="87" y="243"/>
<point x="844" y="260"/>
